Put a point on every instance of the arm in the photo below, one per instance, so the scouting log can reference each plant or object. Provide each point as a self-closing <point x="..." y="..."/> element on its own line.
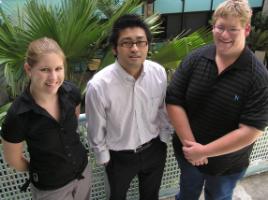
<point x="253" y="119"/>
<point x="175" y="99"/>
<point x="165" y="126"/>
<point x="13" y="154"/>
<point x="231" y="142"/>
<point x="180" y="122"/>
<point x="96" y="125"/>
<point x="77" y="111"/>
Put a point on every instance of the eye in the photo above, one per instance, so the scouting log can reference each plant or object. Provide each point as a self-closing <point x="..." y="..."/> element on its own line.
<point x="220" y="28"/>
<point x="141" y="43"/>
<point x="127" y="44"/>
<point x="59" y="68"/>
<point x="45" y="69"/>
<point x="233" y="29"/>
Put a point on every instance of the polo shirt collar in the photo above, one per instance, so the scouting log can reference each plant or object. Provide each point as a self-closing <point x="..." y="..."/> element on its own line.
<point x="243" y="60"/>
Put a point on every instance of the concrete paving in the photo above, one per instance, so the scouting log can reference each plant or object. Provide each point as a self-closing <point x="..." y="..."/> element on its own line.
<point x="254" y="187"/>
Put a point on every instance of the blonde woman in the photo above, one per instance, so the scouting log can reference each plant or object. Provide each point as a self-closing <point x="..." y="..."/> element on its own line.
<point x="46" y="115"/>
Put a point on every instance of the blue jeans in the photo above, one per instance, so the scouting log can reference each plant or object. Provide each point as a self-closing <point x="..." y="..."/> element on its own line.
<point x="215" y="187"/>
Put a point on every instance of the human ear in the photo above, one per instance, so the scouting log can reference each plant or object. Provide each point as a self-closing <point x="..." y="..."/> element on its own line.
<point x="247" y="30"/>
<point x="114" y="51"/>
<point x="27" y="69"/>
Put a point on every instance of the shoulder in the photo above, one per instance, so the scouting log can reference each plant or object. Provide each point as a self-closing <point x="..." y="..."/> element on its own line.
<point x="259" y="73"/>
<point x="16" y="121"/>
<point x="21" y="104"/>
<point x="68" y="86"/>
<point x="154" y="68"/>
<point x="103" y="77"/>
<point x="260" y="76"/>
<point x="197" y="56"/>
<point x="207" y="52"/>
<point x="154" y="65"/>
<point x="72" y="91"/>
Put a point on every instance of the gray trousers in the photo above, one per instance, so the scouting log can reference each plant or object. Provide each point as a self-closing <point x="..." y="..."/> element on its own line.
<point x="75" y="190"/>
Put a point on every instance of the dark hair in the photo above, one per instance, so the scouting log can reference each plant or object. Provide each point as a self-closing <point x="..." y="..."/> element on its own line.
<point x="128" y="21"/>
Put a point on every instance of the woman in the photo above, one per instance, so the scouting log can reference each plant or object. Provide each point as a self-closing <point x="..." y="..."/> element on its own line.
<point x="45" y="116"/>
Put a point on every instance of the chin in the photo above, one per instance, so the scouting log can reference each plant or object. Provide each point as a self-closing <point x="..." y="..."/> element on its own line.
<point x="53" y="90"/>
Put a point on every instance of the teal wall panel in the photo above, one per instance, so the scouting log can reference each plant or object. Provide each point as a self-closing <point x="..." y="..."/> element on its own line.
<point x="256" y="3"/>
<point x="216" y="3"/>
<point x="160" y="6"/>
<point x="167" y="6"/>
<point x="197" y="5"/>
<point x="176" y="6"/>
<point x="253" y="3"/>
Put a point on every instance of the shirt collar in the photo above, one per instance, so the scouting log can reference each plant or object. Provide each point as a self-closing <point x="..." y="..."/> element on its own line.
<point x="243" y="60"/>
<point x="126" y="76"/>
<point x="27" y="101"/>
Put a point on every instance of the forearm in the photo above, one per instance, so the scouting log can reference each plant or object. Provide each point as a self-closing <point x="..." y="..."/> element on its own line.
<point x="21" y="164"/>
<point x="233" y="141"/>
<point x="180" y="122"/>
<point x="14" y="156"/>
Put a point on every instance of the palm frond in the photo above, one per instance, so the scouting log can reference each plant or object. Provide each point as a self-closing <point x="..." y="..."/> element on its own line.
<point x="172" y="52"/>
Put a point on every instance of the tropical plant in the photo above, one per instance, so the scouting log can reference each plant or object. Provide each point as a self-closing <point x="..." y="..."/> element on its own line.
<point x="79" y="26"/>
<point x="260" y="21"/>
<point x="3" y="111"/>
<point x="172" y="52"/>
<point x="258" y="38"/>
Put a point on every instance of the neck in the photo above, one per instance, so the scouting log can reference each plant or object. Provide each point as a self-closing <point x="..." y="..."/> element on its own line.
<point x="133" y="71"/>
<point x="223" y="61"/>
<point x="41" y="98"/>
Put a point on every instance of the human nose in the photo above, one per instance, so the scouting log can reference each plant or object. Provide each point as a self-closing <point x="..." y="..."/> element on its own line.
<point x="52" y="74"/>
<point x="225" y="33"/>
<point x="134" y="46"/>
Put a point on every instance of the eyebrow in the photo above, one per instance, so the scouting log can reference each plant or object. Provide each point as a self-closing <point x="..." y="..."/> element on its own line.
<point x="130" y="38"/>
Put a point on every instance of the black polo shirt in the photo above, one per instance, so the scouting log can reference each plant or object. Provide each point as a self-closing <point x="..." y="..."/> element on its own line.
<point x="56" y="154"/>
<point x="216" y="104"/>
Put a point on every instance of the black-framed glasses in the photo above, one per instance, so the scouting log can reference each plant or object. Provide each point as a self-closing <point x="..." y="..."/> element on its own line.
<point x="130" y="44"/>
<point x="221" y="29"/>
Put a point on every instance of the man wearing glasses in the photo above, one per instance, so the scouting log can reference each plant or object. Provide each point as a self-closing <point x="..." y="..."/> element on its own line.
<point x="218" y="104"/>
<point x="127" y="121"/>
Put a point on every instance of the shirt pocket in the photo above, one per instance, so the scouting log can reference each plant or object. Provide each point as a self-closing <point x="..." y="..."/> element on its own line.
<point x="156" y="101"/>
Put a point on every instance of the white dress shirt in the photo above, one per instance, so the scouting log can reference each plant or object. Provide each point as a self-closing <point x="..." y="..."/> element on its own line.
<point x="124" y="113"/>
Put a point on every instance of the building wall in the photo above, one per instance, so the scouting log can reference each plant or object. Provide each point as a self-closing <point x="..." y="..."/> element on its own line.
<point x="192" y="15"/>
<point x="181" y="6"/>
<point x="265" y="7"/>
<point x="177" y="15"/>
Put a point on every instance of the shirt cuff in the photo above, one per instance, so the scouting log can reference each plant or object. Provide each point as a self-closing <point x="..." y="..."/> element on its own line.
<point x="102" y="157"/>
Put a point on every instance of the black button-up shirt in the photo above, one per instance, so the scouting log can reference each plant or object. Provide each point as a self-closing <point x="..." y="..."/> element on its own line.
<point x="56" y="154"/>
<point x="216" y="104"/>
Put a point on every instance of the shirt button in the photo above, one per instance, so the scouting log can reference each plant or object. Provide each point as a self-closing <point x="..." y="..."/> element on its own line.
<point x="67" y="147"/>
<point x="69" y="154"/>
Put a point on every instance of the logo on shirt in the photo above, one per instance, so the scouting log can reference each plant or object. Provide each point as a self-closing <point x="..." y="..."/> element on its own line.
<point x="236" y="98"/>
